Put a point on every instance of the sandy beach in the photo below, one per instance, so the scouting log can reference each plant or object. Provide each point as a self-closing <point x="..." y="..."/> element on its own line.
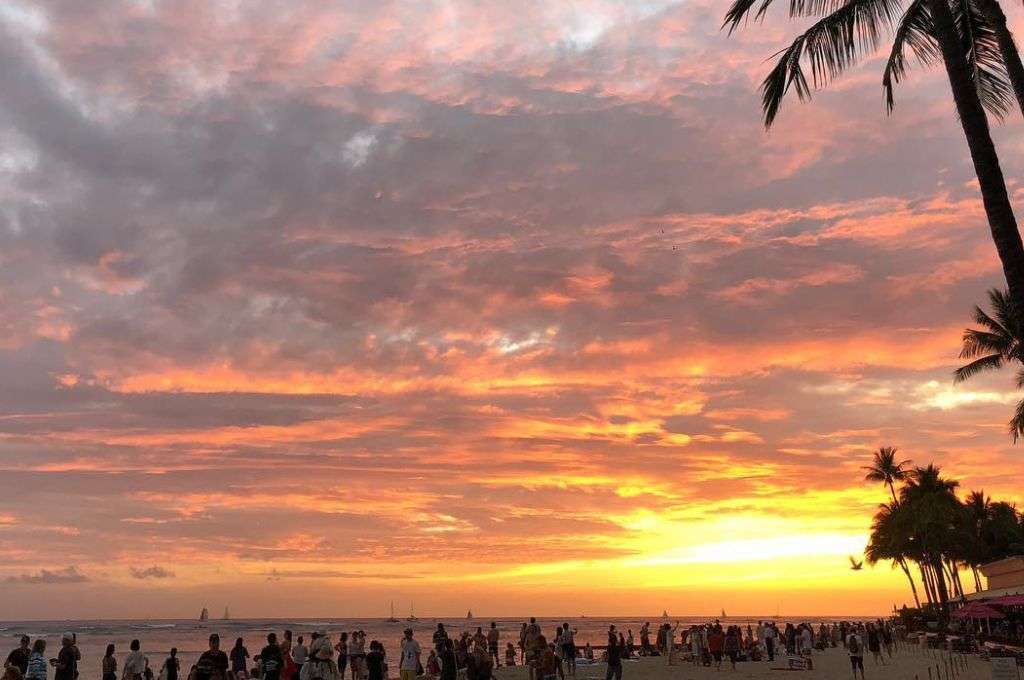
<point x="832" y="664"/>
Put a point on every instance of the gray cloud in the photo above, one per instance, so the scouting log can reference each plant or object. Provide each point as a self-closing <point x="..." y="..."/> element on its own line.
<point x="155" y="572"/>
<point x="50" y="576"/>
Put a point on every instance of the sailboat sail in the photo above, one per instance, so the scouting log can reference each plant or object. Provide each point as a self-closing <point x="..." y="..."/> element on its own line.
<point x="204" y="615"/>
<point x="227" y="614"/>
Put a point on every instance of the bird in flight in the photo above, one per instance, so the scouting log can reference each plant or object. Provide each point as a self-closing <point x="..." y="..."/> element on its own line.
<point x="855" y="565"/>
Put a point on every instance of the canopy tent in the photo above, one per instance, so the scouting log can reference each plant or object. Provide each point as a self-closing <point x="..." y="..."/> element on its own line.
<point x="1008" y="601"/>
<point x="976" y="610"/>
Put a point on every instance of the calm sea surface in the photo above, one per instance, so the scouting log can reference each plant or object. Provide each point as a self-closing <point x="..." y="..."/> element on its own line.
<point x="190" y="637"/>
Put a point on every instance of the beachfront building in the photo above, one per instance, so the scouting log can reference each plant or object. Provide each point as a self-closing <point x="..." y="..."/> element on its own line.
<point x="998" y="610"/>
<point x="1004" y="578"/>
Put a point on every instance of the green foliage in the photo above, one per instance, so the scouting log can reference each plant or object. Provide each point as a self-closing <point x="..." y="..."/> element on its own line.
<point x="928" y="524"/>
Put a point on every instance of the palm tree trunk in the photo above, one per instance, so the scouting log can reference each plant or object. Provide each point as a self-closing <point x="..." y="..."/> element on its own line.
<point x="998" y="210"/>
<point x="954" y="579"/>
<point x="940" y="584"/>
<point x="913" y="588"/>
<point x="1014" y="68"/>
<point x="929" y="589"/>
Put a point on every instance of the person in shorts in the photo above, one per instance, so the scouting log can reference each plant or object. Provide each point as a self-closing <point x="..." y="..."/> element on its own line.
<point x="492" y="643"/>
<point x="855" y="647"/>
<point x="411" y="652"/>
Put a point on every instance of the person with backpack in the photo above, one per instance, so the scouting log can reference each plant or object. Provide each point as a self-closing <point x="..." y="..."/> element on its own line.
<point x="213" y="663"/>
<point x="855" y="648"/>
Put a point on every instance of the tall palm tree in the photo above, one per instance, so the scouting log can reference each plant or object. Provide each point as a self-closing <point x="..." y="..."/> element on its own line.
<point x="993" y="346"/>
<point x="931" y="500"/>
<point x="977" y="511"/>
<point x="956" y="31"/>
<point x="884" y="468"/>
<point x="892" y="539"/>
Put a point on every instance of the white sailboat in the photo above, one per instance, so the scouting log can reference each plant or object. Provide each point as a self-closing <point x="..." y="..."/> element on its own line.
<point x="204" y="615"/>
<point x="469" y="614"/>
<point x="392" y="619"/>
<point x="227" y="614"/>
<point x="412" y="616"/>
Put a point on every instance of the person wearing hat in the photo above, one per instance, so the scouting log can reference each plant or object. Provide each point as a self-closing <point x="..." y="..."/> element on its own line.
<point x="411" y="652"/>
<point x="66" y="662"/>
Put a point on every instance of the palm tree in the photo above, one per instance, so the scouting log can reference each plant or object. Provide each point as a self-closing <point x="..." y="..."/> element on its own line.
<point x="892" y="539"/>
<point x="991" y="347"/>
<point x="931" y="500"/>
<point x="955" y="31"/>
<point x="977" y="511"/>
<point x="885" y="469"/>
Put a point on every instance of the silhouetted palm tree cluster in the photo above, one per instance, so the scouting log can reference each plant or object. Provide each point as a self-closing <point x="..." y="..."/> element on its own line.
<point x="927" y="525"/>
<point x="993" y="346"/>
<point x="971" y="39"/>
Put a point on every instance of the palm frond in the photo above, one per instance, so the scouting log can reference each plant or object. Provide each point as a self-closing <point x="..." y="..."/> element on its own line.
<point x="830" y="46"/>
<point x="1017" y="422"/>
<point x="990" y="362"/>
<point x="915" y="31"/>
<point x="984" y="58"/>
<point x="974" y="343"/>
<point x="741" y="10"/>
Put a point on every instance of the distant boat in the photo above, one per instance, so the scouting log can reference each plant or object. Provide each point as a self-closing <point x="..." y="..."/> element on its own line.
<point x="204" y="615"/>
<point x="723" y="614"/>
<point x="469" y="614"/>
<point x="412" y="616"/>
<point x="227" y="614"/>
<point x="664" y="613"/>
<point x="392" y="619"/>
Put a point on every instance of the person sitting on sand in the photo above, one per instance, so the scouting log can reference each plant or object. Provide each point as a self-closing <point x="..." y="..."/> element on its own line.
<point x="510" y="655"/>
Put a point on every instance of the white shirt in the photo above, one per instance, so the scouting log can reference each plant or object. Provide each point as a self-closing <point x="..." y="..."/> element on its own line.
<point x="410" y="654"/>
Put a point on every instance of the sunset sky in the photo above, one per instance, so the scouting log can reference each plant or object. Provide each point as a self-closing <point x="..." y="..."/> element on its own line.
<point x="513" y="306"/>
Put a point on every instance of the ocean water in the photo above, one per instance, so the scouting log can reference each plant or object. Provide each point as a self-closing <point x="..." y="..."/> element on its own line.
<point x="190" y="637"/>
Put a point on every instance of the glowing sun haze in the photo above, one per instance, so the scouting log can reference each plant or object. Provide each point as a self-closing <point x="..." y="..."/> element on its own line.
<point x="306" y="307"/>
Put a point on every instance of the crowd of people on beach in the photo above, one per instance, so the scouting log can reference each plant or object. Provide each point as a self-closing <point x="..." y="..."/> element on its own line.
<point x="468" y="656"/>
